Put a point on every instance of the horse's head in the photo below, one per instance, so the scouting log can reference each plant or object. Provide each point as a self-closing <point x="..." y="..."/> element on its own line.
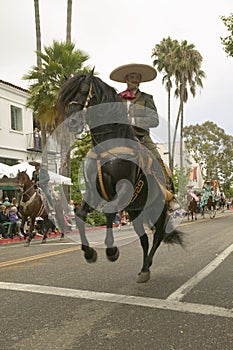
<point x="75" y="96"/>
<point x="23" y="180"/>
<point x="80" y="92"/>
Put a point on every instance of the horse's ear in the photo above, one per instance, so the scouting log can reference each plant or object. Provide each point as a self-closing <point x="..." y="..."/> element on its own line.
<point x="92" y="72"/>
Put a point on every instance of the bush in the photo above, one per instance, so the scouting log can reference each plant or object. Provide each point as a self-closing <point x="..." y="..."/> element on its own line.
<point x="96" y="218"/>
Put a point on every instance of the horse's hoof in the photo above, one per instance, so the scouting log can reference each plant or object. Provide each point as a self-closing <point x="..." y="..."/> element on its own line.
<point x="44" y="240"/>
<point x="112" y="253"/>
<point x="91" y="258"/>
<point x="27" y="244"/>
<point x="143" y="277"/>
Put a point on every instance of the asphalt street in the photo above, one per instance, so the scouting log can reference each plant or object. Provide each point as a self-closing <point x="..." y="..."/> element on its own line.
<point x="52" y="299"/>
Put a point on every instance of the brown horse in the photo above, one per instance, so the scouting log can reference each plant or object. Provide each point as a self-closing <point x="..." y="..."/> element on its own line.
<point x="192" y="209"/>
<point x="32" y="205"/>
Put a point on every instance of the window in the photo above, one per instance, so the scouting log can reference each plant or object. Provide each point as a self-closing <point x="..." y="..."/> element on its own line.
<point x="16" y="118"/>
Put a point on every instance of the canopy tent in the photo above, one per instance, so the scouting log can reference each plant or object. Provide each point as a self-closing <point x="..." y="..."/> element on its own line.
<point x="54" y="178"/>
<point x="5" y="170"/>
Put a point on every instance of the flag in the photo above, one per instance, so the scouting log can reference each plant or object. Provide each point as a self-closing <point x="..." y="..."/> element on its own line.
<point x="193" y="174"/>
<point x="214" y="184"/>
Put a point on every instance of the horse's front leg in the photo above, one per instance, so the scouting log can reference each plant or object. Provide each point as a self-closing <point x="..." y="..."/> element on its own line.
<point x="31" y="232"/>
<point x="112" y="252"/>
<point x="23" y="221"/>
<point x="90" y="254"/>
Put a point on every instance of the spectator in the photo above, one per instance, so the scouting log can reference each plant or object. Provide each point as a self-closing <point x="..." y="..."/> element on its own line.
<point x="14" y="219"/>
<point x="37" y="138"/>
<point x="6" y="202"/>
<point x="3" y="219"/>
<point x="14" y="202"/>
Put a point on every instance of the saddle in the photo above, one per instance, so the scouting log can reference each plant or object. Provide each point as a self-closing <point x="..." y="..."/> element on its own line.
<point x="145" y="162"/>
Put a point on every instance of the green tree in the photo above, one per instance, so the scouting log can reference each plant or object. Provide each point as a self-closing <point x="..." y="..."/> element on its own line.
<point x="228" y="40"/>
<point x="59" y="62"/>
<point x="212" y="147"/>
<point x="181" y="62"/>
<point x="38" y="32"/>
<point x="188" y="73"/>
<point x="79" y="151"/>
<point x="69" y="20"/>
<point x="163" y="61"/>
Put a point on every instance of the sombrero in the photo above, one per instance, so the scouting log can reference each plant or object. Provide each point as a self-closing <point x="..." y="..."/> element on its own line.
<point x="34" y="163"/>
<point x="147" y="72"/>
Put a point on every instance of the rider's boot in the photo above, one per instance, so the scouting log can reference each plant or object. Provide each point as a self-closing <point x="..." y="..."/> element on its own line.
<point x="173" y="204"/>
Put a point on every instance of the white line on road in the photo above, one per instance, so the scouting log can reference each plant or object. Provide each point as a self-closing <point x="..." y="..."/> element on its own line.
<point x="120" y="299"/>
<point x="192" y="282"/>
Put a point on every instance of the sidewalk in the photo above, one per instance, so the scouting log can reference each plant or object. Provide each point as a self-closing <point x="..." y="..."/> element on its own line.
<point x="50" y="235"/>
<point x="75" y="231"/>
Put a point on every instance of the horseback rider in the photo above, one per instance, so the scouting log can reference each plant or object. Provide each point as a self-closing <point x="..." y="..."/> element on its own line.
<point x="143" y="114"/>
<point x="40" y="177"/>
<point x="207" y="187"/>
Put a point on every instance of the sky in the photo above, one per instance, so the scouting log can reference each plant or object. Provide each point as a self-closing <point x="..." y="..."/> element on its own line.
<point x="119" y="32"/>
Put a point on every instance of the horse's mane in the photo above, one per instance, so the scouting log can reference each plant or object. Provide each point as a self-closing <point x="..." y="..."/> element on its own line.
<point x="71" y="87"/>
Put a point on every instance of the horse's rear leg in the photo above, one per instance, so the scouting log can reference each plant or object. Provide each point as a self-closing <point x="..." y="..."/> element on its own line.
<point x="90" y="254"/>
<point x="112" y="252"/>
<point x="144" y="274"/>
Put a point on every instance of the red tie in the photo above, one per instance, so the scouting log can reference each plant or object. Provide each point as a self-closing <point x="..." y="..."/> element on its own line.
<point x="128" y="94"/>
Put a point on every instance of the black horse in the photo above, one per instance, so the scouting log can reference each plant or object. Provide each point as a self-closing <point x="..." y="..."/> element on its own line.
<point x="119" y="173"/>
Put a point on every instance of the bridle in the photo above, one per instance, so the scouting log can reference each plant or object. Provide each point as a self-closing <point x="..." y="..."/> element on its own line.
<point x="22" y="187"/>
<point x="87" y="101"/>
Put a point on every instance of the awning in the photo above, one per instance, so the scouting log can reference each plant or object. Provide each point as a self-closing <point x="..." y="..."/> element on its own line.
<point x="8" y="184"/>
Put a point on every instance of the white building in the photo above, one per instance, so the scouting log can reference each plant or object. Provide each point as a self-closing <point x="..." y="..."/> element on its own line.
<point x="17" y="142"/>
<point x="192" y="169"/>
<point x="17" y="138"/>
<point x="16" y="126"/>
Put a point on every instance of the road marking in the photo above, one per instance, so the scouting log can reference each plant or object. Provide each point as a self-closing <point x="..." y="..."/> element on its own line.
<point x="46" y="255"/>
<point x="39" y="256"/>
<point x="178" y="306"/>
<point x="192" y="282"/>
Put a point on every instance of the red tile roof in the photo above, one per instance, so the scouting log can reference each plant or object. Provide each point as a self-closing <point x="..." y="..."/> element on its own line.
<point x="14" y="86"/>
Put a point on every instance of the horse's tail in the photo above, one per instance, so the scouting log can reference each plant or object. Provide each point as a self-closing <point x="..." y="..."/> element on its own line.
<point x="174" y="237"/>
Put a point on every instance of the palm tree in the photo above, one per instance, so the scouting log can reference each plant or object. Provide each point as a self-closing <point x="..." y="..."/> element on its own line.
<point x="59" y="62"/>
<point x="38" y="33"/>
<point x="69" y="20"/>
<point x="163" y="53"/>
<point x="187" y="68"/>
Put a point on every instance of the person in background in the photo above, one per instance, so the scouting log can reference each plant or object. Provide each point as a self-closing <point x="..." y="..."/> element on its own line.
<point x="40" y="177"/>
<point x="14" y="202"/>
<point x="3" y="219"/>
<point x="35" y="173"/>
<point x="6" y="202"/>
<point x="37" y="138"/>
<point x="142" y="114"/>
<point x="14" y="219"/>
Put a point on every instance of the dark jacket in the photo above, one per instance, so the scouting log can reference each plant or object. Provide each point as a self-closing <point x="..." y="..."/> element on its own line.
<point x="35" y="176"/>
<point x="144" y="112"/>
<point x="3" y="218"/>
